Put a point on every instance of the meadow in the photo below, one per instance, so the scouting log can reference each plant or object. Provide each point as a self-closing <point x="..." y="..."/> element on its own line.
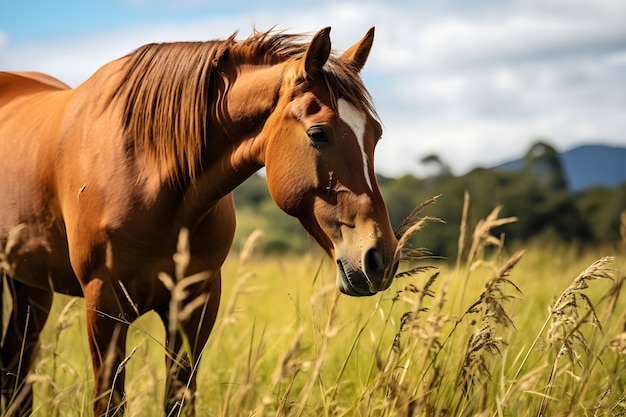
<point x="539" y="331"/>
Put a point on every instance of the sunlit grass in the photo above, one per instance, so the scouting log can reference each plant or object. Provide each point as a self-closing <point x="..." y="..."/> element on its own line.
<point x="457" y="341"/>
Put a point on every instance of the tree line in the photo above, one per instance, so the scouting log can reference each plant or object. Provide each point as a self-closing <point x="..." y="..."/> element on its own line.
<point x="537" y="194"/>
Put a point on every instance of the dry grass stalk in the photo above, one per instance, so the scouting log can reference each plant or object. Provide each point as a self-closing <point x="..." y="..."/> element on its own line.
<point x="490" y="303"/>
<point x="329" y="331"/>
<point x="414" y="217"/>
<point x="240" y="287"/>
<point x="288" y="366"/>
<point x="418" y="342"/>
<point x="494" y="295"/>
<point x="119" y="371"/>
<point x="239" y="395"/>
<point x="485" y="339"/>
<point x="415" y="346"/>
<point x="248" y="247"/>
<point x="482" y="236"/>
<point x="622" y="230"/>
<point x="242" y="393"/>
<point x="411" y="326"/>
<point x="564" y="333"/>
<point x="7" y="301"/>
<point x="462" y="230"/>
<point x="180" y="307"/>
<point x="412" y="224"/>
<point x="392" y="373"/>
<point x="619" y="408"/>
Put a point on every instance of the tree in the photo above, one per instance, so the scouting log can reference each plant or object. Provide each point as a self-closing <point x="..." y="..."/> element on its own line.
<point x="543" y="165"/>
<point x="441" y="168"/>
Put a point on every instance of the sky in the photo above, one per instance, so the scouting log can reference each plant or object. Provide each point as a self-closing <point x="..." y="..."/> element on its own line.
<point x="474" y="82"/>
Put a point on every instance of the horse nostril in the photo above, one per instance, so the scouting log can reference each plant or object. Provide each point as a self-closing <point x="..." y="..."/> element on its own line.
<point x="374" y="265"/>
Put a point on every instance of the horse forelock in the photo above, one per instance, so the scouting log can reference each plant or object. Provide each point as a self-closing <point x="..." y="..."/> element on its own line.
<point x="172" y="93"/>
<point x="343" y="82"/>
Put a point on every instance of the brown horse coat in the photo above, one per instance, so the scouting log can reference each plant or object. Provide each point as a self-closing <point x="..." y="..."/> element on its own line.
<point x="98" y="182"/>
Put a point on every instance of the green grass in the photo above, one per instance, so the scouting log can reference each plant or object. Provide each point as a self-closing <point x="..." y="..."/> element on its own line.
<point x="451" y="341"/>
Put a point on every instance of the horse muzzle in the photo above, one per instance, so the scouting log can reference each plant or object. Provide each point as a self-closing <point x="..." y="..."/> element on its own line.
<point x="366" y="276"/>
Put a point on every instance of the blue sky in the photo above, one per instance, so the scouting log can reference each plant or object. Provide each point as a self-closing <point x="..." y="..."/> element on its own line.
<point x="476" y="82"/>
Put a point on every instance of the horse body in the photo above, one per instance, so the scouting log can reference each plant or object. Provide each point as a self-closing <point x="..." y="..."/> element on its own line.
<point x="78" y="208"/>
<point x="28" y="215"/>
<point x="98" y="182"/>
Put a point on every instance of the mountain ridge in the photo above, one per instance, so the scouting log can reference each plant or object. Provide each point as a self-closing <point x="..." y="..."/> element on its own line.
<point x="587" y="166"/>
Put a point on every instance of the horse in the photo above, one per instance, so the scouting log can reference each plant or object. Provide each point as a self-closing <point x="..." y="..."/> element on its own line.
<point x="98" y="182"/>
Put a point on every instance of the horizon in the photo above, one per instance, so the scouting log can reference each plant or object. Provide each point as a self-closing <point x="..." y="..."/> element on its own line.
<point x="475" y="83"/>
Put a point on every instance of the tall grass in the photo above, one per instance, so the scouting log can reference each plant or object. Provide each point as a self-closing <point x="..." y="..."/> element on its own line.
<point x="495" y="333"/>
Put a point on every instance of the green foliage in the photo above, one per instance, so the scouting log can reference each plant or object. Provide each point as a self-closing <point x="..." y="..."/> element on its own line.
<point x="401" y="195"/>
<point x="601" y="208"/>
<point x="541" y="212"/>
<point x="543" y="166"/>
<point x="536" y="195"/>
<point x="256" y="210"/>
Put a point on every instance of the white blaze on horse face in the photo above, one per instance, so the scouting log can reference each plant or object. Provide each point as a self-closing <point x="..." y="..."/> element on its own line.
<point x="356" y="120"/>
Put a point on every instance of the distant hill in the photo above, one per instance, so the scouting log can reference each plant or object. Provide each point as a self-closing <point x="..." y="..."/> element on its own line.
<point x="588" y="166"/>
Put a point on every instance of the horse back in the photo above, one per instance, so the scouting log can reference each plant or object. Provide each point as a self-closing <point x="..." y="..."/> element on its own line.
<point x="15" y="84"/>
<point x="31" y="106"/>
<point x="31" y="109"/>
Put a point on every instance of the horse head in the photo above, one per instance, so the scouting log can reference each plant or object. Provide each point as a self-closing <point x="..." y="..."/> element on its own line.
<point x="319" y="157"/>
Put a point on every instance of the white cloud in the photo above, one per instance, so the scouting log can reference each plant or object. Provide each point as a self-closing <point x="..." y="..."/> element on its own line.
<point x="73" y="59"/>
<point x="4" y="39"/>
<point x="482" y="41"/>
<point x="475" y="87"/>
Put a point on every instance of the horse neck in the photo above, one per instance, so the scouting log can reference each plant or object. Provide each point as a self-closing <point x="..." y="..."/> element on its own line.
<point x="235" y="148"/>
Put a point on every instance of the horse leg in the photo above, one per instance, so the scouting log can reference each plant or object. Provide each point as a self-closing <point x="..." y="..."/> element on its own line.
<point x="106" y="329"/>
<point x="31" y="307"/>
<point x="185" y="346"/>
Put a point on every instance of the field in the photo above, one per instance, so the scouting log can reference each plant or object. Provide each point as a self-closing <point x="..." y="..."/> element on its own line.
<point x="501" y="333"/>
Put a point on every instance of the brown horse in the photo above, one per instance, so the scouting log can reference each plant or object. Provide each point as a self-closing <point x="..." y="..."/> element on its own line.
<point x="98" y="181"/>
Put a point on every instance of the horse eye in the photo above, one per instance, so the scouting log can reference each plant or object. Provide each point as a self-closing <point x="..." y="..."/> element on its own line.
<point x="318" y="136"/>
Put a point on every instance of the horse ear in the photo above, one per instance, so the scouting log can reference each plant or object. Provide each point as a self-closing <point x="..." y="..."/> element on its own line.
<point x="317" y="53"/>
<point x="357" y="54"/>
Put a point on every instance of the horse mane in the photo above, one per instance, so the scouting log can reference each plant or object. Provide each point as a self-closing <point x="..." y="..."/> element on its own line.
<point x="170" y="95"/>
